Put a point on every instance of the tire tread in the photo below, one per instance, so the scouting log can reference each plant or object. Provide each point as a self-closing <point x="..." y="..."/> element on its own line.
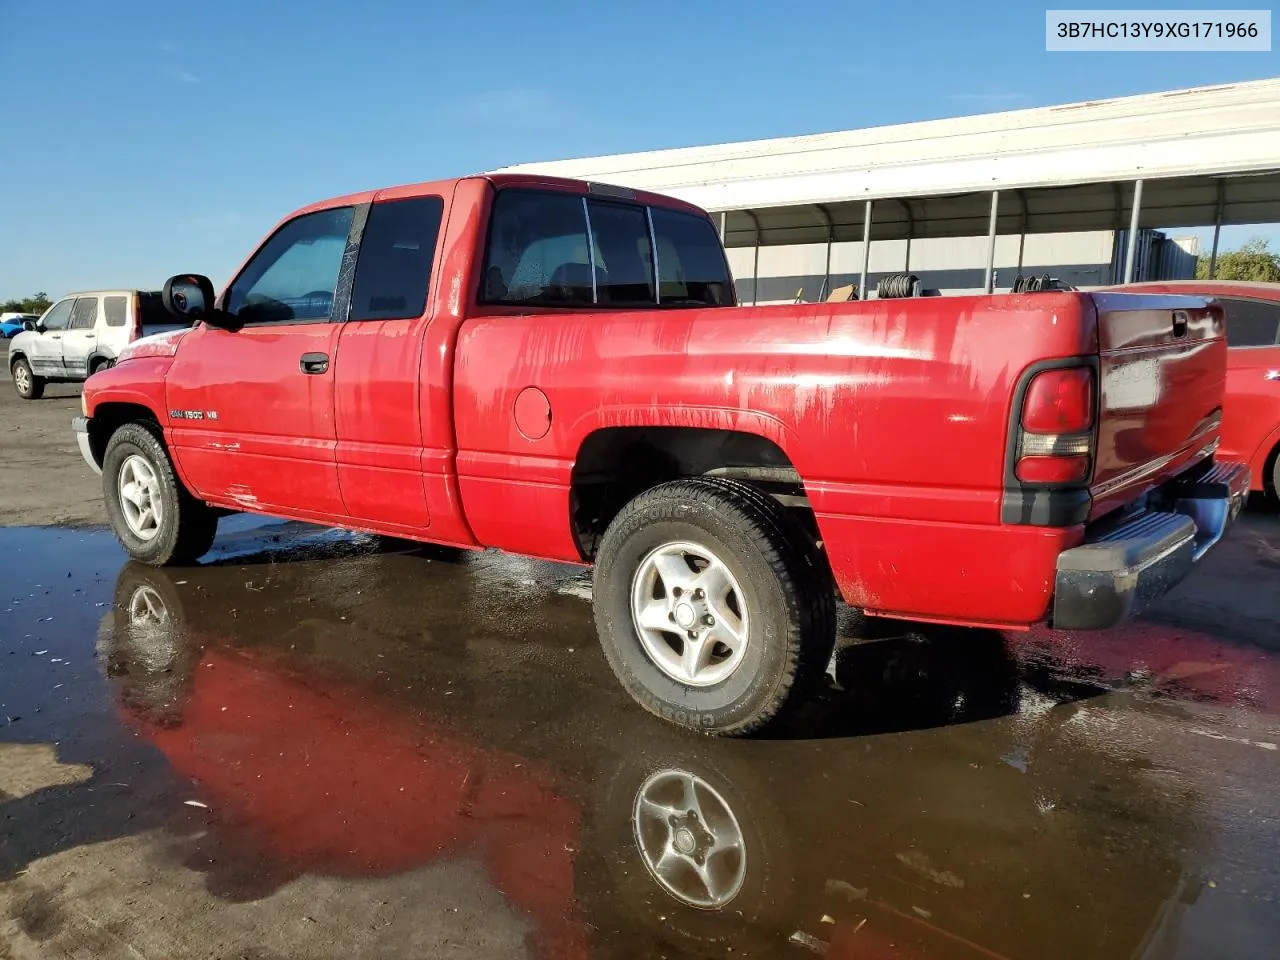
<point x="794" y="560"/>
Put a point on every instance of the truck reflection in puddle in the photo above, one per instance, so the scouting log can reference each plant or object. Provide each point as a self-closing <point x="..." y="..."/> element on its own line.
<point x="941" y="801"/>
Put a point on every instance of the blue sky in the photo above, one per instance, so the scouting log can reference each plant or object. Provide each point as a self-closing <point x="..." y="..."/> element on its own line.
<point x="146" y="138"/>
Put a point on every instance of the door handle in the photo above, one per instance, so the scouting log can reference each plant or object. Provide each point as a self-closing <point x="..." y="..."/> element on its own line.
<point x="314" y="363"/>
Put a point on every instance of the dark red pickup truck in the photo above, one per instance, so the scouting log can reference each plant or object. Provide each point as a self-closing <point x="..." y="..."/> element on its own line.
<point x="560" y="369"/>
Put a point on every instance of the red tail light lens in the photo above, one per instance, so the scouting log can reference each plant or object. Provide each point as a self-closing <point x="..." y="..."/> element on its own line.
<point x="1059" y="401"/>
<point x="1053" y="469"/>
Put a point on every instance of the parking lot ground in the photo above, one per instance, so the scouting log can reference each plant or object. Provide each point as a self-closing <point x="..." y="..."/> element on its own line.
<point x="42" y="478"/>
<point x="311" y="747"/>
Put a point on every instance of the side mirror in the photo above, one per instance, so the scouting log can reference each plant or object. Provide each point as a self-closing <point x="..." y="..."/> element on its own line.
<point x="30" y="325"/>
<point x="188" y="296"/>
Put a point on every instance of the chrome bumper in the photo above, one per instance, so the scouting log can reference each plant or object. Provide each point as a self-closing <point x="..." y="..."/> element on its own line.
<point x="81" y="427"/>
<point x="1114" y="575"/>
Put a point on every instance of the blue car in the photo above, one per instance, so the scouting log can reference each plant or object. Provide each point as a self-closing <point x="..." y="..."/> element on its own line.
<point x="12" y="324"/>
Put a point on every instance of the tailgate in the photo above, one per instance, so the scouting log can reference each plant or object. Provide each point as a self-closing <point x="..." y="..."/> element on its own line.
<point x="1163" y="369"/>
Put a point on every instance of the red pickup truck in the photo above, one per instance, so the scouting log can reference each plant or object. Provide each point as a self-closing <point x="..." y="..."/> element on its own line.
<point x="560" y="369"/>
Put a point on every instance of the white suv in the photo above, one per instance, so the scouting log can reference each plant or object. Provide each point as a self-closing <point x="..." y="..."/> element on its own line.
<point x="82" y="334"/>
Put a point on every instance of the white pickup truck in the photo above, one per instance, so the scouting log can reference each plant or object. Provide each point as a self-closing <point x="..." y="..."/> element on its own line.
<point x="81" y="334"/>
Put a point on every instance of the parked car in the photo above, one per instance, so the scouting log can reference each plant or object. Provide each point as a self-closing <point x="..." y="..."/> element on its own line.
<point x="12" y="324"/>
<point x="82" y="334"/>
<point x="1251" y="411"/>
<point x="560" y="369"/>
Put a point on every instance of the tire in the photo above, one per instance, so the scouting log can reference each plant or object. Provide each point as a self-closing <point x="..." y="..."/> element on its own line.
<point x="776" y="621"/>
<point x="181" y="530"/>
<point x="28" y="385"/>
<point x="100" y="365"/>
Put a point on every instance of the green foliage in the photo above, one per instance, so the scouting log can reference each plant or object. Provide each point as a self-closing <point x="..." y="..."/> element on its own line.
<point x="1253" y="261"/>
<point x="37" y="304"/>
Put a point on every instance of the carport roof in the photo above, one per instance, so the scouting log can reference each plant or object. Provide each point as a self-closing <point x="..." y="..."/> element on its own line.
<point x="1201" y="151"/>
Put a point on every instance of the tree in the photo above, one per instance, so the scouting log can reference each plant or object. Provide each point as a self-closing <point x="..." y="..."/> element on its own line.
<point x="37" y="304"/>
<point x="1253" y="261"/>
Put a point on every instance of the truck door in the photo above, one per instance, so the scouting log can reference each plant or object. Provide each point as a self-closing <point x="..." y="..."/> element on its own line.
<point x="80" y="338"/>
<point x="251" y="409"/>
<point x="378" y="379"/>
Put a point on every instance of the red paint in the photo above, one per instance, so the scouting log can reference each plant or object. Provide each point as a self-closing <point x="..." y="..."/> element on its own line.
<point x="1251" y="410"/>
<point x="896" y="413"/>
<point x="328" y="781"/>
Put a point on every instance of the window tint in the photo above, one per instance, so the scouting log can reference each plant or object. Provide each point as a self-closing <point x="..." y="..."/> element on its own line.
<point x="691" y="262"/>
<point x="294" y="274"/>
<point x="56" y="318"/>
<point x="85" y="314"/>
<point x="396" y="251"/>
<point x="691" y="266"/>
<point x="624" y="255"/>
<point x="1252" y="323"/>
<point x="117" y="310"/>
<point x="537" y="251"/>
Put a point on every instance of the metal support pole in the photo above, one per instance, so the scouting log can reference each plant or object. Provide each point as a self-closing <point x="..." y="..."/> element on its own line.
<point x="866" y="250"/>
<point x="723" y="217"/>
<point x="988" y="284"/>
<point x="826" y="277"/>
<point x="906" y="261"/>
<point x="1131" y="248"/>
<point x="1217" y="229"/>
<point x="755" y="275"/>
<point x="1022" y="235"/>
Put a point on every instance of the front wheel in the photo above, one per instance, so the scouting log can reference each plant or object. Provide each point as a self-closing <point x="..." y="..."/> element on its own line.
<point x="28" y="385"/>
<point x="714" y="607"/>
<point x="155" y="518"/>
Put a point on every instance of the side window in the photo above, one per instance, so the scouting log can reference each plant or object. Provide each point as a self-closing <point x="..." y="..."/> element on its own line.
<point x="1252" y="323"/>
<point x="691" y="262"/>
<point x="84" y="315"/>
<point x="537" y="253"/>
<point x="59" y="313"/>
<point x="624" y="255"/>
<point x="293" y="276"/>
<point x="396" y="250"/>
<point x="116" y="309"/>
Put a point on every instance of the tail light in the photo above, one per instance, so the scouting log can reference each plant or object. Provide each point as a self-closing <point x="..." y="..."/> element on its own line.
<point x="137" y="317"/>
<point x="1057" y="438"/>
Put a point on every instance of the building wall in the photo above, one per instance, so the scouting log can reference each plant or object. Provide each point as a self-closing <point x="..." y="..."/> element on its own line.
<point x="954" y="265"/>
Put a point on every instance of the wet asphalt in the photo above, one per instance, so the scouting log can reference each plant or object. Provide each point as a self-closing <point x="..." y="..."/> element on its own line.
<point x="319" y="745"/>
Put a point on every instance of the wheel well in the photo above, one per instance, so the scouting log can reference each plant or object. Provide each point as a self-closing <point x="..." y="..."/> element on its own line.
<point x="110" y="417"/>
<point x="15" y="357"/>
<point x="616" y="464"/>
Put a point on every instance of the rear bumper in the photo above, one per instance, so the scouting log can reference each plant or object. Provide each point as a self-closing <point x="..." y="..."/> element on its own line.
<point x="1117" y="572"/>
<point x="81" y="427"/>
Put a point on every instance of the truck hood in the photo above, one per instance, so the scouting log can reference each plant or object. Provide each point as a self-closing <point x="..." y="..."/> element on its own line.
<point x="164" y="344"/>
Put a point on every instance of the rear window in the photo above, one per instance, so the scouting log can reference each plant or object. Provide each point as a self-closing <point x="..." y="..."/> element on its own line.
<point x="394" y="267"/>
<point x="556" y="249"/>
<point x="117" y="310"/>
<point x="1251" y="323"/>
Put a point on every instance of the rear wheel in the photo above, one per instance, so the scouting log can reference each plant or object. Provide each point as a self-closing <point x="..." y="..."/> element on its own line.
<point x="155" y="518"/>
<point x="28" y="385"/>
<point x="715" y="608"/>
<point x="100" y="365"/>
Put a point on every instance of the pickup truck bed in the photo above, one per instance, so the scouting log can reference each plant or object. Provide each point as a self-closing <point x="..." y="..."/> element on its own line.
<point x="559" y="369"/>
